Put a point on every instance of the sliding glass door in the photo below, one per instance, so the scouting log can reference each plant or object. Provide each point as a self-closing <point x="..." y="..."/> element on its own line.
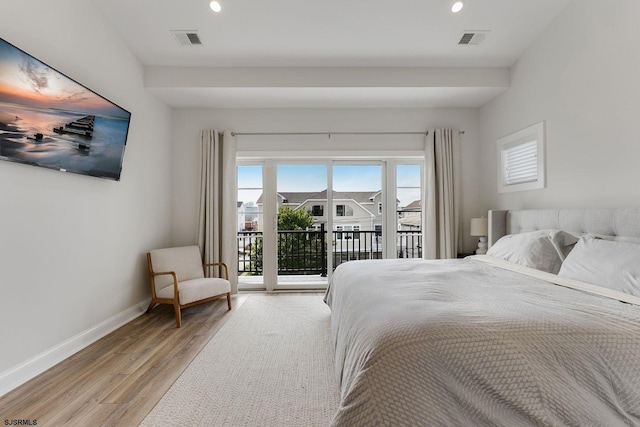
<point x="297" y="221"/>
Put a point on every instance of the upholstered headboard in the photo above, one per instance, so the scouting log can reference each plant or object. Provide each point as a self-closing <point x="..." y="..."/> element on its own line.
<point x="619" y="222"/>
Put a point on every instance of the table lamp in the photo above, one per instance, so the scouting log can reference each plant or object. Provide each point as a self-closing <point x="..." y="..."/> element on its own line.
<point x="480" y="228"/>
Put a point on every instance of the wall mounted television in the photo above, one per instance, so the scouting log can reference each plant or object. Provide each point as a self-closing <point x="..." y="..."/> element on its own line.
<point x="52" y="121"/>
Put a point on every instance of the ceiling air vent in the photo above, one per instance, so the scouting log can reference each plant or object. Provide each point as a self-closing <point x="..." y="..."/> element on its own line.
<point x="473" y="37"/>
<point x="187" y="38"/>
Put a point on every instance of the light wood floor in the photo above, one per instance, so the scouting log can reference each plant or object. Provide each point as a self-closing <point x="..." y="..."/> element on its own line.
<point x="120" y="378"/>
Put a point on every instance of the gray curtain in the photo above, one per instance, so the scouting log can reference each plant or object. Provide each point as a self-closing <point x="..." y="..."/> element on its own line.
<point x="441" y="236"/>
<point x="217" y="213"/>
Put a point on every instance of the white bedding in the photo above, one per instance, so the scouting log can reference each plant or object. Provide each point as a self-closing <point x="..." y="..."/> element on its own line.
<point x="462" y="342"/>
<point x="559" y="280"/>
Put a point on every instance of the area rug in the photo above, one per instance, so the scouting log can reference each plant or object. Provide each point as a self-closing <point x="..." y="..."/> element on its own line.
<point x="271" y="364"/>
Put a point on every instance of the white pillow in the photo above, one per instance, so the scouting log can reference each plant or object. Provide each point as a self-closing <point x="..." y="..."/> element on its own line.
<point x="614" y="265"/>
<point x="543" y="249"/>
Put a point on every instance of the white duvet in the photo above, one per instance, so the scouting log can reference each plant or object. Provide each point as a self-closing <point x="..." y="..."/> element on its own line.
<point x="465" y="343"/>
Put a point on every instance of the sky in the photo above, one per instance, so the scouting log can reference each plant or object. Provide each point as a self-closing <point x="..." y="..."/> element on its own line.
<point x="26" y="81"/>
<point x="345" y="178"/>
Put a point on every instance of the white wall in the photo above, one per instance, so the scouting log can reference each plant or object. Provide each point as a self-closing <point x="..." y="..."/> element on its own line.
<point x="581" y="77"/>
<point x="187" y="124"/>
<point x="72" y="247"/>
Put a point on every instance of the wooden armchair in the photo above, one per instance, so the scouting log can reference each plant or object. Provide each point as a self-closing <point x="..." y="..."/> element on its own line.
<point x="177" y="277"/>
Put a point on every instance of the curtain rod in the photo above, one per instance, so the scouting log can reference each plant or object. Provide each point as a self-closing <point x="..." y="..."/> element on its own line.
<point x="331" y="133"/>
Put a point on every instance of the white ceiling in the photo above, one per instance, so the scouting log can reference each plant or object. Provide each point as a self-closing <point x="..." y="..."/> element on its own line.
<point x="334" y="35"/>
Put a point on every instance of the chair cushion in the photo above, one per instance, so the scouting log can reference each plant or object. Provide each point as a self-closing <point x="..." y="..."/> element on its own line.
<point x="197" y="289"/>
<point x="186" y="261"/>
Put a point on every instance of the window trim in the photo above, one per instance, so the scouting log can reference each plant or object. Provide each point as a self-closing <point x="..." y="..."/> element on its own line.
<point x="530" y="134"/>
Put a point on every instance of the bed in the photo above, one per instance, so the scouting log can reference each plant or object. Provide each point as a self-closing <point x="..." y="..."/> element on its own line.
<point x="490" y="340"/>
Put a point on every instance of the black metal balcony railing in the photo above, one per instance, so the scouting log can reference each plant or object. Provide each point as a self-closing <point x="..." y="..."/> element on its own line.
<point x="303" y="252"/>
<point x="354" y="245"/>
<point x="409" y="244"/>
<point x="250" y="252"/>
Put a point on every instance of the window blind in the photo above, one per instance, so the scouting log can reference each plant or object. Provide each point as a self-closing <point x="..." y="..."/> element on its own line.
<point x="521" y="163"/>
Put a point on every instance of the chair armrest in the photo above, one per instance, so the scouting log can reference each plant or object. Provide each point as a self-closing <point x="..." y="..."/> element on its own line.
<point x="175" y="280"/>
<point x="226" y="268"/>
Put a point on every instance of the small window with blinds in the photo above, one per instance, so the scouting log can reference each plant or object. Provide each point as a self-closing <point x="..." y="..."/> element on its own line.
<point x="521" y="160"/>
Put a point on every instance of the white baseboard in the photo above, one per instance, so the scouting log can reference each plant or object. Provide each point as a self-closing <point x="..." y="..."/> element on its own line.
<point x="23" y="372"/>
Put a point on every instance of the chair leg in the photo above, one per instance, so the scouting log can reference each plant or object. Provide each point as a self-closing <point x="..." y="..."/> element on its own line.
<point x="176" y="307"/>
<point x="151" y="305"/>
<point x="229" y="300"/>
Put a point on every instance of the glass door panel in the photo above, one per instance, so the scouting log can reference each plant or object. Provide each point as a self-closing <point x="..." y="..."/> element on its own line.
<point x="301" y="225"/>
<point x="357" y="212"/>
<point x="409" y="211"/>
<point x="250" y="227"/>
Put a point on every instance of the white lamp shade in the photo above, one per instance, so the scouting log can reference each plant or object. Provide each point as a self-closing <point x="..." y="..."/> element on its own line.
<point x="479" y="227"/>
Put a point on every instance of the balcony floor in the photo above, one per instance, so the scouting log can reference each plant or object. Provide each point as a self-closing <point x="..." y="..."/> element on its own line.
<point x="303" y="281"/>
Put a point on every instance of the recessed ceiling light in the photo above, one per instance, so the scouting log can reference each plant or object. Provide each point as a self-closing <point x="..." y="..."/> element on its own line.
<point x="215" y="6"/>
<point x="457" y="6"/>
